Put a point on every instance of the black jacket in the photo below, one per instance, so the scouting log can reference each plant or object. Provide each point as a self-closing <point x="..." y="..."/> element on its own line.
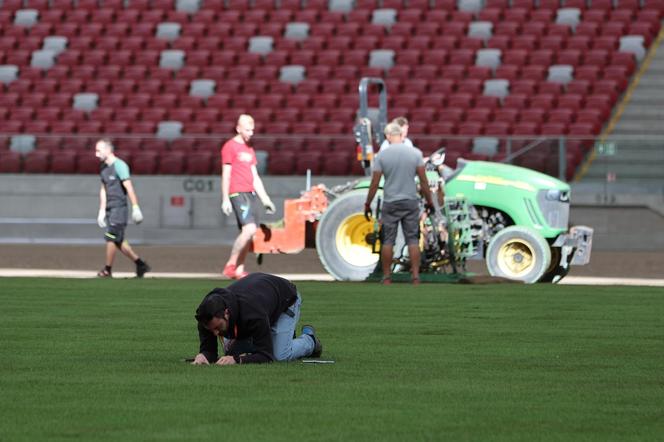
<point x="255" y="303"/>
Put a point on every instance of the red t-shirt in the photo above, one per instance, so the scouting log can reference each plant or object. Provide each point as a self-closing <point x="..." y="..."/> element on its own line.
<point x="241" y="157"/>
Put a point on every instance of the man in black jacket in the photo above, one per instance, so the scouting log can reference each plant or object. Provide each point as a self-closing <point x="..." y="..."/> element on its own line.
<point x="255" y="318"/>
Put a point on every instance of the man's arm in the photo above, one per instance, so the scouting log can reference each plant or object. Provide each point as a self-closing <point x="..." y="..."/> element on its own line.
<point x="261" y="334"/>
<point x="208" y="350"/>
<point x="225" y="189"/>
<point x="136" y="213"/>
<point x="129" y="187"/>
<point x="102" y="198"/>
<point x="101" y="215"/>
<point x="260" y="190"/>
<point x="373" y="187"/>
<point x="424" y="185"/>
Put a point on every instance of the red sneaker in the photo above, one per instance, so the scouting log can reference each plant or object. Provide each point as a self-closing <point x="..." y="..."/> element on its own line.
<point x="229" y="271"/>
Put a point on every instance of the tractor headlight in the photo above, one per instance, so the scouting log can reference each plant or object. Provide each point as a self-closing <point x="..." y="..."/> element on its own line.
<point x="557" y="195"/>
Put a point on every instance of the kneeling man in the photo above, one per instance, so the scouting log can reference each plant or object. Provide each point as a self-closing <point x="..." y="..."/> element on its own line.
<point x="255" y="319"/>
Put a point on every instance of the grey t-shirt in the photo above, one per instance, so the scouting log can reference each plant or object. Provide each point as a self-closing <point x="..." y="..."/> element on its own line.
<point x="398" y="164"/>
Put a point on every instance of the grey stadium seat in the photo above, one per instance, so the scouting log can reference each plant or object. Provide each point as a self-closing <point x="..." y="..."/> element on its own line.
<point x="633" y="44"/>
<point x="171" y="59"/>
<point x="55" y="43"/>
<point x="485" y="146"/>
<point x="168" y="31"/>
<point x="470" y="5"/>
<point x="381" y="58"/>
<point x="86" y="101"/>
<point x="8" y="73"/>
<point x="190" y="6"/>
<point x="202" y="88"/>
<point x="43" y="59"/>
<point x="261" y="160"/>
<point x="497" y="88"/>
<point x="385" y="16"/>
<point x="22" y="143"/>
<point x="568" y="16"/>
<point x="561" y="73"/>
<point x="480" y="29"/>
<point x="169" y="130"/>
<point x="261" y="44"/>
<point x="26" y="17"/>
<point x="293" y="73"/>
<point x="488" y="57"/>
<point x="341" y="5"/>
<point x="297" y="30"/>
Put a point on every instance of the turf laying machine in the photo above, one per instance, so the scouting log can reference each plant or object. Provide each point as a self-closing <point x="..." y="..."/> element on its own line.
<point x="513" y="218"/>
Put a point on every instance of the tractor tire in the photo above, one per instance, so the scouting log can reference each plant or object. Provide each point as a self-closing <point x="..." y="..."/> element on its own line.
<point x="555" y="272"/>
<point x="341" y="238"/>
<point x="518" y="253"/>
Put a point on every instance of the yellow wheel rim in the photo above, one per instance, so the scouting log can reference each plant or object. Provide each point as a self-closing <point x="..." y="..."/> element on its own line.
<point x="351" y="241"/>
<point x="516" y="258"/>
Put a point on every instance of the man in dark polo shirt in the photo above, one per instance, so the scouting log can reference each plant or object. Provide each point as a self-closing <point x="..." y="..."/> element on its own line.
<point x="400" y="164"/>
<point x="113" y="214"/>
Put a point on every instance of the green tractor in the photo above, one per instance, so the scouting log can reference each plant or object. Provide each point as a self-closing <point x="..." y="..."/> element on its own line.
<point x="514" y="218"/>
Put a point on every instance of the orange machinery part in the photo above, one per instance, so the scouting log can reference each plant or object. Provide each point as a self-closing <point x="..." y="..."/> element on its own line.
<point x="297" y="212"/>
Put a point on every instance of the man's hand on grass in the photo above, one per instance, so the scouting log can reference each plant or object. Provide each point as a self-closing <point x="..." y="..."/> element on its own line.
<point x="200" y="359"/>
<point x="226" y="360"/>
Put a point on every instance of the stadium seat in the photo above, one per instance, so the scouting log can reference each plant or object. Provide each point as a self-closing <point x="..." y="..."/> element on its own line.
<point x="171" y="163"/>
<point x="200" y="163"/>
<point x="281" y="163"/>
<point x="37" y="161"/>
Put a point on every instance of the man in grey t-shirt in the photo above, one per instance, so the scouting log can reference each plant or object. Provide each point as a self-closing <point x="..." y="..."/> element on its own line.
<point x="400" y="164"/>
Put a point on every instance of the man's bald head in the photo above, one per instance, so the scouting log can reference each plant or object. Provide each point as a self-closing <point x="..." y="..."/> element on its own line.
<point x="245" y="128"/>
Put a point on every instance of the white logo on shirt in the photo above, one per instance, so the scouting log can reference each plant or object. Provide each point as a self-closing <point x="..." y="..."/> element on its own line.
<point x="245" y="157"/>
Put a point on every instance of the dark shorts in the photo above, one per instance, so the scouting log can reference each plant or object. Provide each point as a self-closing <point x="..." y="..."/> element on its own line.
<point x="404" y="212"/>
<point x="247" y="208"/>
<point x="116" y="223"/>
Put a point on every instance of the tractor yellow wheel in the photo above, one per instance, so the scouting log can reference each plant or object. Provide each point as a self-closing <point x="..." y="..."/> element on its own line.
<point x="343" y="238"/>
<point x="519" y="253"/>
<point x="516" y="257"/>
<point x="352" y="240"/>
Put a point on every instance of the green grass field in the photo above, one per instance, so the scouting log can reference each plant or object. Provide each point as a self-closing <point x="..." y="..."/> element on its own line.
<point x="101" y="360"/>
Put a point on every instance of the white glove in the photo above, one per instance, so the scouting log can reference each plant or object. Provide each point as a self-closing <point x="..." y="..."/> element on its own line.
<point x="136" y="214"/>
<point x="101" y="218"/>
<point x="269" y="207"/>
<point x="226" y="207"/>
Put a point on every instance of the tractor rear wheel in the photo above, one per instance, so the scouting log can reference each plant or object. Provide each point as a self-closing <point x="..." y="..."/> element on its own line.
<point x="344" y="236"/>
<point x="519" y="253"/>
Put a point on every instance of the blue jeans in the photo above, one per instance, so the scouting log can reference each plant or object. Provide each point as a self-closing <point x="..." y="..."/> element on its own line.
<point x="284" y="347"/>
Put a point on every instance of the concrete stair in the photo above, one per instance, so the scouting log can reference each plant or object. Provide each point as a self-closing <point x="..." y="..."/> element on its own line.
<point x="640" y="158"/>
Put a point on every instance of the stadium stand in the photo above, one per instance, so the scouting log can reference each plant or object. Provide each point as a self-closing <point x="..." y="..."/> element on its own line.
<point x="491" y="70"/>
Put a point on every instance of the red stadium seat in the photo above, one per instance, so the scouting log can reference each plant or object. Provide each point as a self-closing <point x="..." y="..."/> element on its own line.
<point x="281" y="163"/>
<point x="10" y="162"/>
<point x="144" y="162"/>
<point x="336" y="163"/>
<point x="308" y="161"/>
<point x="63" y="161"/>
<point x="37" y="161"/>
<point x="171" y="163"/>
<point x="200" y="163"/>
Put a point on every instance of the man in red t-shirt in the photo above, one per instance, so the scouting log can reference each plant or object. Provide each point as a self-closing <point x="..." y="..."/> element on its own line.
<point x="240" y="187"/>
